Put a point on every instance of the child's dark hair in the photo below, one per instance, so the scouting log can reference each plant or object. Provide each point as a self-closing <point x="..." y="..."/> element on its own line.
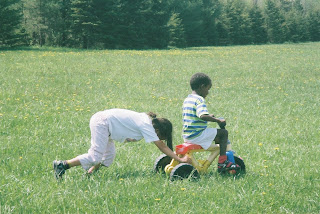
<point x="164" y="126"/>
<point x="199" y="79"/>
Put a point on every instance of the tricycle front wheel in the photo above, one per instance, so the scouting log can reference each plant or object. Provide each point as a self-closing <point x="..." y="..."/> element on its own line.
<point x="183" y="171"/>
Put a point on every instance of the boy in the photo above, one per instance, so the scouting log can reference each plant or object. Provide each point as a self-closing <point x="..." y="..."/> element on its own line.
<point x="196" y="117"/>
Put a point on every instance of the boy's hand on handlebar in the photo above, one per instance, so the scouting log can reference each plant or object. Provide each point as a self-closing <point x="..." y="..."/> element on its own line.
<point x="222" y="122"/>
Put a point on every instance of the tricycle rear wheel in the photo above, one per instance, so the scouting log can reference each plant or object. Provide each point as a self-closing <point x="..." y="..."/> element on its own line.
<point x="240" y="162"/>
<point x="161" y="162"/>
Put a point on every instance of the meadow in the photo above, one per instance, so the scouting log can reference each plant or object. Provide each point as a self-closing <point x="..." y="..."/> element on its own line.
<point x="269" y="95"/>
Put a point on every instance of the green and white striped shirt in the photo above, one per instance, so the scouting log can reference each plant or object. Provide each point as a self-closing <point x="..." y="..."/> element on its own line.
<point x="193" y="107"/>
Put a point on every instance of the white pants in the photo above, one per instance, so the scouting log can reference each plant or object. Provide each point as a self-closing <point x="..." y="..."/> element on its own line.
<point x="205" y="139"/>
<point x="102" y="148"/>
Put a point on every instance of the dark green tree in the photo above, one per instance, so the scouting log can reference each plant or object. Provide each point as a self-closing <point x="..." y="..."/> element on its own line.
<point x="35" y="20"/>
<point x="239" y="28"/>
<point x="85" y="23"/>
<point x="258" y="30"/>
<point x="11" y="33"/>
<point x="176" y="32"/>
<point x="156" y="17"/>
<point x="296" y="24"/>
<point x="190" y="12"/>
<point x="223" y="27"/>
<point x="313" y="20"/>
<point x="109" y="15"/>
<point x="61" y="22"/>
<point x="211" y="10"/>
<point x="275" y="22"/>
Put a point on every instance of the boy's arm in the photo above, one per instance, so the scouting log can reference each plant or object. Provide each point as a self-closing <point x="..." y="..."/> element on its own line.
<point x="212" y="118"/>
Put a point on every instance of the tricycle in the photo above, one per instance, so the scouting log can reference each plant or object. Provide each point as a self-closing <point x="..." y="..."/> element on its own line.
<point x="181" y="171"/>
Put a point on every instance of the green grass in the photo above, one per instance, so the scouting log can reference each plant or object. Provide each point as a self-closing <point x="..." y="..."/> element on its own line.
<point x="268" y="94"/>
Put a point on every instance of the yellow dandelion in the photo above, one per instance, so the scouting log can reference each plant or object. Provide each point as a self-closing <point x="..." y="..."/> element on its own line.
<point x="20" y="158"/>
<point x="157" y="199"/>
<point x="260" y="144"/>
<point x="264" y="193"/>
<point x="277" y="148"/>
<point x="265" y="166"/>
<point x="183" y="189"/>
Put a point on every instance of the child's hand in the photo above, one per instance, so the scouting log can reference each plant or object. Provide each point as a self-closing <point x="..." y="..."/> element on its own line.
<point x="222" y="123"/>
<point x="186" y="159"/>
<point x="94" y="168"/>
<point x="221" y="120"/>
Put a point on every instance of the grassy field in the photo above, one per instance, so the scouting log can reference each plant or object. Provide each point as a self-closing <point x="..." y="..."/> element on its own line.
<point x="270" y="96"/>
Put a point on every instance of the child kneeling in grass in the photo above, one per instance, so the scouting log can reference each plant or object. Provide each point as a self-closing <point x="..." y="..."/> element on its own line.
<point x="120" y="125"/>
<point x="196" y="117"/>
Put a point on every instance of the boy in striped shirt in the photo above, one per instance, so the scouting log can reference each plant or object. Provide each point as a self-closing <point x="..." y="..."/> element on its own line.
<point x="196" y="117"/>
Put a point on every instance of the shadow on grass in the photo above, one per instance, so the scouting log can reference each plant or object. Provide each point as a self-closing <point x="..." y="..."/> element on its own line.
<point x="122" y="174"/>
<point x="216" y="174"/>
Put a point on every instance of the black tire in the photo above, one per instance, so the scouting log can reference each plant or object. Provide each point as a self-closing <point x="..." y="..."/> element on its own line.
<point x="161" y="162"/>
<point x="183" y="171"/>
<point x="240" y="162"/>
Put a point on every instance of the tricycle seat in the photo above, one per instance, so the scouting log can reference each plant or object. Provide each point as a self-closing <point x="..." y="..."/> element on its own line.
<point x="186" y="147"/>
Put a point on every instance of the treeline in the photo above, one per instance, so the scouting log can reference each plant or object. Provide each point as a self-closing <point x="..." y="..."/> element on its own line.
<point x="131" y="24"/>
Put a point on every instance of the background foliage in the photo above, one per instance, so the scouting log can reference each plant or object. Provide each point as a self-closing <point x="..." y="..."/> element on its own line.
<point x="158" y="24"/>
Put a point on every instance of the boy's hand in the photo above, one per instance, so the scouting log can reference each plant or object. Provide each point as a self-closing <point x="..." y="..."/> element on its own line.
<point x="222" y="123"/>
<point x="221" y="120"/>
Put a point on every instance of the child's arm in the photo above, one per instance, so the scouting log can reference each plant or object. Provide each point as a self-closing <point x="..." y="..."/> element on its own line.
<point x="212" y="118"/>
<point x="165" y="149"/>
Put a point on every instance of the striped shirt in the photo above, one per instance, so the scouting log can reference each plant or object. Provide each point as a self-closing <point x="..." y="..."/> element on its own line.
<point x="193" y="107"/>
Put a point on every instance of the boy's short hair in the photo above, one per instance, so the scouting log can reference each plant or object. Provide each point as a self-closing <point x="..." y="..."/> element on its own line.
<point x="199" y="79"/>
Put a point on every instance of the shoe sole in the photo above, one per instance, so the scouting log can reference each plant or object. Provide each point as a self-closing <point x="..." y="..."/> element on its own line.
<point x="55" y="168"/>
